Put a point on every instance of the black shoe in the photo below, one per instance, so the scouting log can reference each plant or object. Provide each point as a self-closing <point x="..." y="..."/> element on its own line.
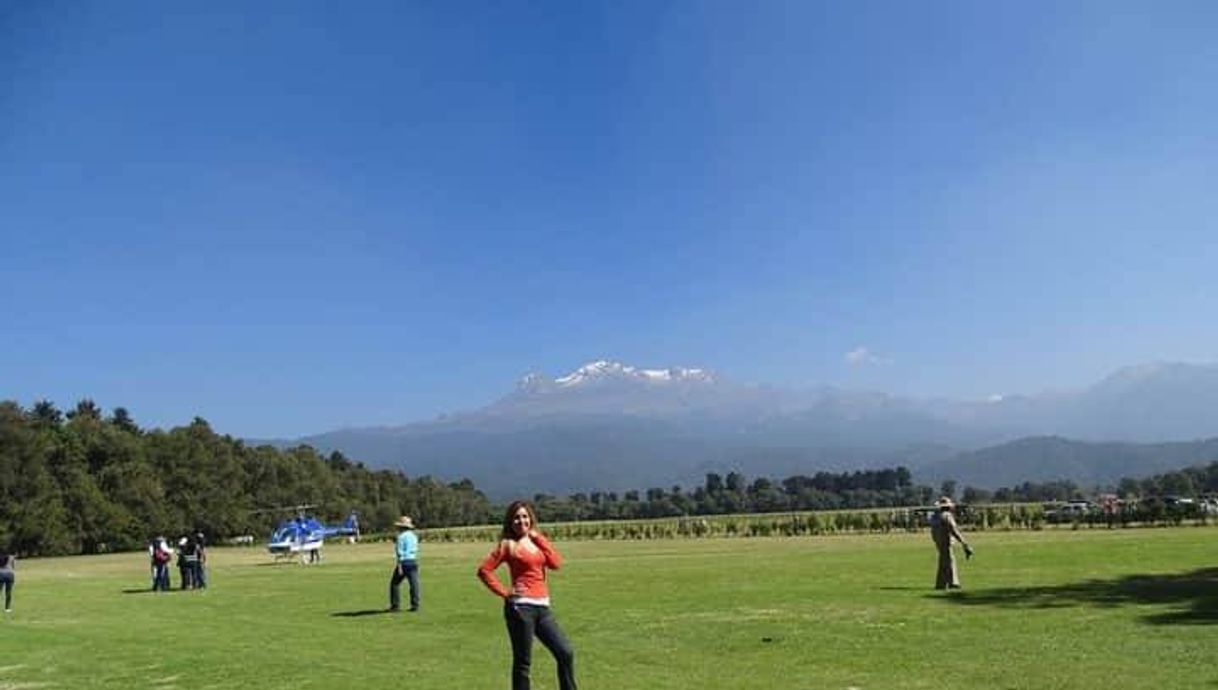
<point x="393" y="609"/>
<point x="413" y="609"/>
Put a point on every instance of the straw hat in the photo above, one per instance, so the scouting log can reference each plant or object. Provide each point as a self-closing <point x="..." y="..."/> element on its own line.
<point x="945" y="502"/>
<point x="405" y="522"/>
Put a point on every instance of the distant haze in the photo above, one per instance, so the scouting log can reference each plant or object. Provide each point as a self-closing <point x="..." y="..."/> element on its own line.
<point x="610" y="425"/>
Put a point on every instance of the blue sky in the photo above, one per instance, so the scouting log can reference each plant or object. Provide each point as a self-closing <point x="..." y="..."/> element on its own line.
<point x="288" y="217"/>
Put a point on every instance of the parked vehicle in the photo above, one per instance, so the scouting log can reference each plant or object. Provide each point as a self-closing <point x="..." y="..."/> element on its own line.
<point x="1069" y="511"/>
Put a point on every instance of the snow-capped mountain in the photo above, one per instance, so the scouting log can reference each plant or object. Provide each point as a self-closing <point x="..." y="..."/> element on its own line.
<point x="611" y="387"/>
<point x="610" y="425"/>
<point x="602" y="371"/>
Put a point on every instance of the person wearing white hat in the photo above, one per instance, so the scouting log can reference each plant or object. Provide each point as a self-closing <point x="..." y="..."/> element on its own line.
<point x="407" y="567"/>
<point x="161" y="554"/>
<point x="186" y="563"/>
<point x="943" y="529"/>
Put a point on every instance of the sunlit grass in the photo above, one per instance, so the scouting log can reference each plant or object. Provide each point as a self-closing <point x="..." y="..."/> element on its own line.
<point x="1039" y="610"/>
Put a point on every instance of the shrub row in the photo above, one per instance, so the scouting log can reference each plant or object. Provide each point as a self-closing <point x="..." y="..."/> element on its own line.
<point x="811" y="523"/>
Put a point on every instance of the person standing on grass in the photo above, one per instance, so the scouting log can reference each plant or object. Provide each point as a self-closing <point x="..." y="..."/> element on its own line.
<point x="943" y="529"/>
<point x="161" y="554"/>
<point x="8" y="564"/>
<point x="187" y="560"/>
<point x="406" y="552"/>
<point x="526" y="606"/>
<point x="201" y="561"/>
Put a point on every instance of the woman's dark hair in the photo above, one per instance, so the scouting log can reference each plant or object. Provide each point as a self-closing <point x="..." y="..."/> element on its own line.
<point x="508" y="532"/>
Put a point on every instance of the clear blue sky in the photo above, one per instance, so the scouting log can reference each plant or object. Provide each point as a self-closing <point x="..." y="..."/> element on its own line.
<point x="288" y="217"/>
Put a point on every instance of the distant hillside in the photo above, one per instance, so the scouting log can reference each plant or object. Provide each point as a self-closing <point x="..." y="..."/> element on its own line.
<point x="612" y="426"/>
<point x="568" y="454"/>
<point x="1150" y="403"/>
<point x="1048" y="458"/>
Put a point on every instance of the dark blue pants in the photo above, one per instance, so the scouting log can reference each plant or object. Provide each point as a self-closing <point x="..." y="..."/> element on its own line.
<point x="160" y="577"/>
<point x="524" y="621"/>
<point x="405" y="570"/>
<point x="7" y="580"/>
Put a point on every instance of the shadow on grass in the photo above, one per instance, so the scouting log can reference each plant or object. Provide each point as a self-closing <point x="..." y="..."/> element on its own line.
<point x="362" y="613"/>
<point x="149" y="590"/>
<point x="1193" y="596"/>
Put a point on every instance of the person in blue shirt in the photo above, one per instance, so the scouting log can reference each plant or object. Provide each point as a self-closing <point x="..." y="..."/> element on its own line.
<point x="407" y="565"/>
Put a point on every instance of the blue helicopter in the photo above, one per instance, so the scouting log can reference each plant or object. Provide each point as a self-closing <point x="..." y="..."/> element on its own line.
<point x="304" y="536"/>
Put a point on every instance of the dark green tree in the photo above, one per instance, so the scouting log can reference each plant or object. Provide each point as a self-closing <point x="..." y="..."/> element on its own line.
<point x="948" y="488"/>
<point x="121" y="419"/>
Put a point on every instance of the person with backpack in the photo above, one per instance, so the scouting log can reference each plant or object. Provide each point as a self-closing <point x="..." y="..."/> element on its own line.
<point x="161" y="554"/>
<point x="8" y="564"/>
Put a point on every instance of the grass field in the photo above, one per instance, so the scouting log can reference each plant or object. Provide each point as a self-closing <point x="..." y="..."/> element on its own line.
<point x="1043" y="610"/>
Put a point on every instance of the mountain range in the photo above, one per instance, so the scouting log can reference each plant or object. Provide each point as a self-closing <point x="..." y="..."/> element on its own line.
<point x="612" y="426"/>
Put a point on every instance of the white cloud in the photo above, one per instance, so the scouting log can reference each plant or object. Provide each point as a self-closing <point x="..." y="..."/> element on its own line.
<point x="861" y="356"/>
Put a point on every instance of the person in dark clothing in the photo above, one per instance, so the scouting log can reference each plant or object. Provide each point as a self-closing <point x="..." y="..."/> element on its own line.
<point x="8" y="577"/>
<point x="200" y="573"/>
<point x="188" y="560"/>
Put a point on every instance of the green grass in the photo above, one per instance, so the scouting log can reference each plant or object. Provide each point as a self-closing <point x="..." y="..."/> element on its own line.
<point x="1043" y="610"/>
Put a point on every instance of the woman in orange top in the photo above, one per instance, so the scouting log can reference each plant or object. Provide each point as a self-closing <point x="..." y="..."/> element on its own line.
<point x="527" y="604"/>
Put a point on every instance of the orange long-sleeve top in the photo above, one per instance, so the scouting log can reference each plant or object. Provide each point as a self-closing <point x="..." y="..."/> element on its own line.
<point x="526" y="565"/>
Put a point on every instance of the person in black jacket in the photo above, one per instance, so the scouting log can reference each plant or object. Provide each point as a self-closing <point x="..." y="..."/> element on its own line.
<point x="200" y="573"/>
<point x="188" y="558"/>
<point x="8" y="564"/>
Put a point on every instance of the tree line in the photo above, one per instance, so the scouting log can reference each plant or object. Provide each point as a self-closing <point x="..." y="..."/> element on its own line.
<point x="733" y="493"/>
<point x="1187" y="482"/>
<point x="87" y="482"/>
